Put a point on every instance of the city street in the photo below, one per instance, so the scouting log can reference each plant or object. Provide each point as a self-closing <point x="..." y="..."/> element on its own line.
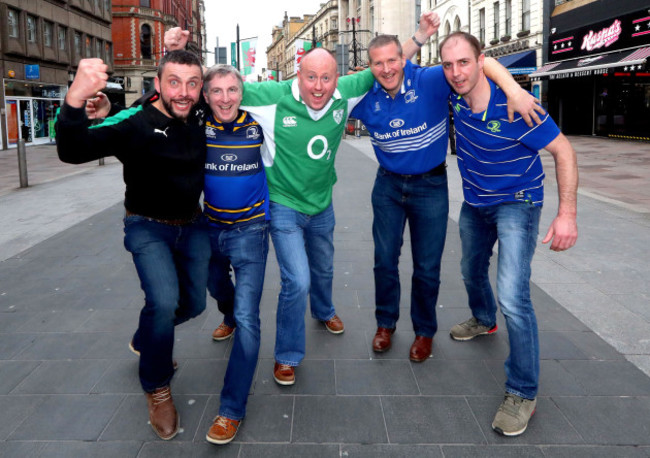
<point x="70" y="299"/>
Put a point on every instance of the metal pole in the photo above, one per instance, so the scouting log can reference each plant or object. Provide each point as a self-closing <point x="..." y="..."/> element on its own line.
<point x="354" y="43"/>
<point x="22" y="163"/>
<point x="238" y="53"/>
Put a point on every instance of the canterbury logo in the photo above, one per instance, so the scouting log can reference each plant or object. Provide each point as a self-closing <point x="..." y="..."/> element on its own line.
<point x="289" y="121"/>
<point x="158" y="131"/>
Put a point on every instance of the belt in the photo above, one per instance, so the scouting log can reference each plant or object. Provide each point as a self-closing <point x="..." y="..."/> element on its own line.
<point x="436" y="171"/>
<point x="170" y="222"/>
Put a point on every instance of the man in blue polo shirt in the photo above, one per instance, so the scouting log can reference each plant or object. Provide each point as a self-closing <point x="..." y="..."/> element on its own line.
<point x="406" y="113"/>
<point x="503" y="189"/>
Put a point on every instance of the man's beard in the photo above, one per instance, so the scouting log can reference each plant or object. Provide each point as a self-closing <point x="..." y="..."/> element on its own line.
<point x="170" y="109"/>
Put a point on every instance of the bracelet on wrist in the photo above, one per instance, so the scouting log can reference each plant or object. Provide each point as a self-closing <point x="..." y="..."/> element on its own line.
<point x="416" y="41"/>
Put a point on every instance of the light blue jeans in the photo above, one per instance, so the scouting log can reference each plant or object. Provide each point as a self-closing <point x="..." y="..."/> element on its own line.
<point x="304" y="246"/>
<point x="515" y="226"/>
<point x="245" y="248"/>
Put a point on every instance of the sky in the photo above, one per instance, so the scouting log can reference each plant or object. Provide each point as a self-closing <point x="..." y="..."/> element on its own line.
<point x="256" y="18"/>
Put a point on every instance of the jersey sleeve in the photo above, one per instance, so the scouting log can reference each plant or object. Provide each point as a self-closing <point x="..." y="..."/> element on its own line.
<point x="263" y="94"/>
<point x="435" y="77"/>
<point x="538" y="136"/>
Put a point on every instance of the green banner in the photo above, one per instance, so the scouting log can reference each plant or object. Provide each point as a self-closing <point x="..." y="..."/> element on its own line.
<point x="233" y="54"/>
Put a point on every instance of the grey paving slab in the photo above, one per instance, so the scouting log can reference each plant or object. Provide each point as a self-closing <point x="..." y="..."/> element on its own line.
<point x="391" y="451"/>
<point x="452" y="377"/>
<point x="52" y="321"/>
<point x="21" y="449"/>
<point x="430" y="420"/>
<point x="608" y="420"/>
<point x="13" y="372"/>
<point x="14" y="410"/>
<point x="185" y="449"/>
<point x="609" y="378"/>
<point x="556" y="345"/>
<point x="69" y="417"/>
<point x="12" y="344"/>
<point x="63" y="377"/>
<point x="120" y="376"/>
<point x="594" y="452"/>
<point x="348" y="419"/>
<point x="56" y="346"/>
<point x="315" y="377"/>
<point x="492" y="451"/>
<point x="370" y="377"/>
<point x="67" y="449"/>
<point x="200" y="376"/>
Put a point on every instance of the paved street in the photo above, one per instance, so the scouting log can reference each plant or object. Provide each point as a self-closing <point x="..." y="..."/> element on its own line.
<point x="70" y="298"/>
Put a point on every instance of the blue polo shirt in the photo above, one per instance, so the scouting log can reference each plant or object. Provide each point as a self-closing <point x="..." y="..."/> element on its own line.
<point x="498" y="160"/>
<point x="409" y="133"/>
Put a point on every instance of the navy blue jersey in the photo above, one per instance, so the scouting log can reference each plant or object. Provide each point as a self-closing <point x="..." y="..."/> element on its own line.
<point x="409" y="132"/>
<point x="498" y="160"/>
<point x="235" y="190"/>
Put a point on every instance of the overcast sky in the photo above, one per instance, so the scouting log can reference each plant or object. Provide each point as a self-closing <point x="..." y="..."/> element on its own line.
<point x="256" y="18"/>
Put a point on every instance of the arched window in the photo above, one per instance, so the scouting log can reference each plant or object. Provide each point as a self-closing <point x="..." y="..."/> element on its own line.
<point x="456" y="24"/>
<point x="145" y="41"/>
<point x="447" y="28"/>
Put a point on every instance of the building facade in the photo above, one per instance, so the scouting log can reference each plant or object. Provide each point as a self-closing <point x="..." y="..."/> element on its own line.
<point x="596" y="76"/>
<point x="138" y="32"/>
<point x="278" y="56"/>
<point x="41" y="43"/>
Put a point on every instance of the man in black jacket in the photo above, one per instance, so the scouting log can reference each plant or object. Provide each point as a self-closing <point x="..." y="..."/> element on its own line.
<point x="162" y="147"/>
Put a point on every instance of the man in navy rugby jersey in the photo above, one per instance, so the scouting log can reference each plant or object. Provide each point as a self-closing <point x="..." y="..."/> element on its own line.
<point x="503" y="191"/>
<point x="236" y="206"/>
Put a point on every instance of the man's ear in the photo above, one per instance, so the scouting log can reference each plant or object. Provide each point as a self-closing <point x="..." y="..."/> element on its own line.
<point x="156" y="84"/>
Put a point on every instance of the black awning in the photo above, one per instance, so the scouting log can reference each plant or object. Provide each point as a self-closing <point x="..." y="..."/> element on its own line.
<point x="586" y="66"/>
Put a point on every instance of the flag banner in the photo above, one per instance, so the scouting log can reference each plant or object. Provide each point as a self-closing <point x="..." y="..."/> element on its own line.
<point x="302" y="47"/>
<point x="233" y="54"/>
<point x="248" y="56"/>
<point x="272" y="75"/>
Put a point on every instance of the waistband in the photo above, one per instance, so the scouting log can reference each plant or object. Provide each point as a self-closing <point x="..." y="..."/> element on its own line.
<point x="436" y="171"/>
<point x="171" y="222"/>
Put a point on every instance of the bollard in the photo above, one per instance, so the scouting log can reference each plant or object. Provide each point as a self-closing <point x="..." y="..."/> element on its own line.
<point x="101" y="161"/>
<point x="22" y="163"/>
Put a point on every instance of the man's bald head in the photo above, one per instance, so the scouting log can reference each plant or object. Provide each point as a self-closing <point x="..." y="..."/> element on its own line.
<point x="317" y="78"/>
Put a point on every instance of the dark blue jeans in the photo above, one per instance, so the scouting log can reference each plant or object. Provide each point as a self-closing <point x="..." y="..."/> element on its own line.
<point x="246" y="249"/>
<point x="515" y="226"/>
<point x="172" y="263"/>
<point x="424" y="203"/>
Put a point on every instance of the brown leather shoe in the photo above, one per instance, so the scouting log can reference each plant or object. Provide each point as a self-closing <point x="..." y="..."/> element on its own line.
<point x="421" y="349"/>
<point x="381" y="342"/>
<point x="222" y="431"/>
<point x="334" y="325"/>
<point x="284" y="374"/>
<point x="222" y="332"/>
<point x="163" y="417"/>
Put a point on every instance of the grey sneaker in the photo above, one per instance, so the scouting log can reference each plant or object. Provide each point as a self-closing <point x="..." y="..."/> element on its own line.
<point x="469" y="329"/>
<point x="513" y="415"/>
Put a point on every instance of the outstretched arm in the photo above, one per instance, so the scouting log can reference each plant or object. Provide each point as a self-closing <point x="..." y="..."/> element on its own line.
<point x="564" y="230"/>
<point x="429" y="24"/>
<point x="519" y="100"/>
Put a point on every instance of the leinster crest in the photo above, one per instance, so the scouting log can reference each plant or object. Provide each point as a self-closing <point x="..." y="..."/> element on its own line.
<point x="338" y="116"/>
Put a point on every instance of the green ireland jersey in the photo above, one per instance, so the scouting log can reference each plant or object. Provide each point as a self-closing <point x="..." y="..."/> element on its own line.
<point x="300" y="144"/>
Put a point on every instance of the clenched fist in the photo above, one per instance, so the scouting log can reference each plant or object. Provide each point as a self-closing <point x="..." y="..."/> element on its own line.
<point x="176" y="38"/>
<point x="90" y="78"/>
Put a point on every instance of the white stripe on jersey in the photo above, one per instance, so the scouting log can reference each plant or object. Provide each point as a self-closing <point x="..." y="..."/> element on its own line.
<point x="414" y="142"/>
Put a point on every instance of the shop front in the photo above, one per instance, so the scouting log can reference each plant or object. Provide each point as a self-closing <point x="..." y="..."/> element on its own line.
<point x="597" y="78"/>
<point x="30" y="110"/>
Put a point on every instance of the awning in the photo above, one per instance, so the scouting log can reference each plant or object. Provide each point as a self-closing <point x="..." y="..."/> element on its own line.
<point x="519" y="63"/>
<point x="586" y="66"/>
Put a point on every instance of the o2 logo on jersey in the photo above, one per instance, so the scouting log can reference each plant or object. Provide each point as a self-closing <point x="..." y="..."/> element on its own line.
<point x="253" y="132"/>
<point x="325" y="150"/>
<point x="396" y="123"/>
<point x="494" y="126"/>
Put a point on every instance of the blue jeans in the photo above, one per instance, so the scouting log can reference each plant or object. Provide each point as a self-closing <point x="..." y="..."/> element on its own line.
<point x="172" y="263"/>
<point x="245" y="248"/>
<point x="515" y="225"/>
<point x="424" y="202"/>
<point x="304" y="246"/>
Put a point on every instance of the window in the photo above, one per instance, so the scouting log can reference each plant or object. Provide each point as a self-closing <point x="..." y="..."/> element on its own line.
<point x="108" y="54"/>
<point x="77" y="45"/>
<point x="61" y="36"/>
<point x="98" y="6"/>
<point x="146" y="3"/>
<point x="145" y="41"/>
<point x="457" y="24"/>
<point x="89" y="47"/>
<point x="508" y="17"/>
<point x="48" y="32"/>
<point x="12" y="23"/>
<point x="98" y="48"/>
<point x="481" y="26"/>
<point x="496" y="20"/>
<point x="31" y="29"/>
<point x="525" y="15"/>
<point x="107" y="6"/>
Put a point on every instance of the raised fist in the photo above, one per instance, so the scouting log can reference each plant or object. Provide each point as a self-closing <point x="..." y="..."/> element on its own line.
<point x="176" y="38"/>
<point x="90" y="79"/>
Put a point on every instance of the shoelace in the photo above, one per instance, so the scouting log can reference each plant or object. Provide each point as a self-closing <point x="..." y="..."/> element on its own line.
<point x="225" y="422"/>
<point x="511" y="405"/>
<point x="223" y="327"/>
<point x="161" y="396"/>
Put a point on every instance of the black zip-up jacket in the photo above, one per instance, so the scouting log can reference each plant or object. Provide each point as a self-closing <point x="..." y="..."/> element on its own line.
<point x="163" y="158"/>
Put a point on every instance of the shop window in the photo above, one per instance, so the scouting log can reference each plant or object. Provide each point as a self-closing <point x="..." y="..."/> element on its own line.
<point x="48" y="32"/>
<point x="496" y="21"/>
<point x="12" y="23"/>
<point x="145" y="41"/>
<point x="525" y="15"/>
<point x="31" y="29"/>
